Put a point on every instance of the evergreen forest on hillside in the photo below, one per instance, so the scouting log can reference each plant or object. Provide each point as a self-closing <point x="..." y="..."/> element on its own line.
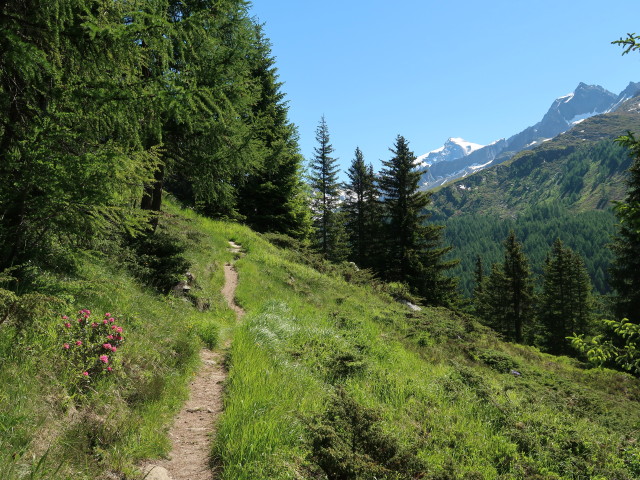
<point x="485" y="330"/>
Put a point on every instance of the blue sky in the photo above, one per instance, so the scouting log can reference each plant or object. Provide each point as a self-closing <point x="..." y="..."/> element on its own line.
<point x="430" y="70"/>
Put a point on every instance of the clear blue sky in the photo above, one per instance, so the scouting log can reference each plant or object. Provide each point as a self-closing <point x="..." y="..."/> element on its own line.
<point x="430" y="70"/>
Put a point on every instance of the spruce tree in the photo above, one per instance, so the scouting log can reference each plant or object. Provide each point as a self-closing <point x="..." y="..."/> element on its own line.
<point x="363" y="214"/>
<point x="271" y="198"/>
<point x="478" y="289"/>
<point x="413" y="251"/>
<point x="519" y="285"/>
<point x="492" y="302"/>
<point x="325" y="187"/>
<point x="565" y="302"/>
<point x="507" y="298"/>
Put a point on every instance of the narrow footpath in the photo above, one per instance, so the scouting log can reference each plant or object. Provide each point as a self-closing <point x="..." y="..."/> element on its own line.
<point x="194" y="428"/>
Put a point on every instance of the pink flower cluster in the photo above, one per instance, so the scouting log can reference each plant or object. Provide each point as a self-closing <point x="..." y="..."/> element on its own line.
<point x="91" y="345"/>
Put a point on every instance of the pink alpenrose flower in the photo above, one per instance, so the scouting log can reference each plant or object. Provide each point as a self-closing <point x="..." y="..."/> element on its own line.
<point x="104" y="358"/>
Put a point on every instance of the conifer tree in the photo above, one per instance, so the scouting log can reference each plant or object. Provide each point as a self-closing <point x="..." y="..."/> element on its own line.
<point x="71" y="149"/>
<point x="479" y="287"/>
<point x="519" y="285"/>
<point x="363" y="214"/>
<point x="507" y="298"/>
<point x="625" y="271"/>
<point x="492" y="302"/>
<point x="325" y="187"/>
<point x="271" y="198"/>
<point x="207" y="92"/>
<point x="413" y="251"/>
<point x="566" y="298"/>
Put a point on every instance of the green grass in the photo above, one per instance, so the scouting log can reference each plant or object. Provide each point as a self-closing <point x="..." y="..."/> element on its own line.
<point x="327" y="380"/>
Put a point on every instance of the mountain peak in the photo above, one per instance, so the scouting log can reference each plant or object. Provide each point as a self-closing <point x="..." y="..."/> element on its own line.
<point x="453" y="148"/>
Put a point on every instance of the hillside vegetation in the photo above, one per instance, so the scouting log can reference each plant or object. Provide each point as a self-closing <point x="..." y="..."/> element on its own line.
<point x="563" y="189"/>
<point x="328" y="379"/>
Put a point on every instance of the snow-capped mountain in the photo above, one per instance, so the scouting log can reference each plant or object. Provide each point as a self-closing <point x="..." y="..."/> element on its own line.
<point x="453" y="149"/>
<point x="565" y="112"/>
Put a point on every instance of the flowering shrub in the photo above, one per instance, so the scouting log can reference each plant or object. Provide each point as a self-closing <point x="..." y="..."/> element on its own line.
<point x="90" y="345"/>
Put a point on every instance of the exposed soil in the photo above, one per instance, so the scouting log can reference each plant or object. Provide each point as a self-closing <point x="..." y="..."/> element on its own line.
<point x="194" y="427"/>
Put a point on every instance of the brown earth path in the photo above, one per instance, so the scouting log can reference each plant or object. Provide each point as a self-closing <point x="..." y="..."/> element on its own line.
<point x="194" y="427"/>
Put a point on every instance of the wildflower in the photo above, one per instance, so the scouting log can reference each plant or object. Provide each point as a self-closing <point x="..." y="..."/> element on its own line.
<point x="107" y="315"/>
<point x="112" y="320"/>
<point x="119" y="329"/>
<point x="94" y="325"/>
<point x="114" y="349"/>
<point x="65" y="346"/>
<point x="68" y="325"/>
<point x="64" y="317"/>
<point x="78" y="342"/>
<point x="86" y="374"/>
<point x="113" y="327"/>
<point x="105" y="321"/>
<point x="106" y="346"/>
<point x="110" y="337"/>
<point x="109" y="369"/>
<point x="104" y="358"/>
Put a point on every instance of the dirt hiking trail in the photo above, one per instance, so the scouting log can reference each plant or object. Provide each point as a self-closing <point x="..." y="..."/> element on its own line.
<point x="194" y="428"/>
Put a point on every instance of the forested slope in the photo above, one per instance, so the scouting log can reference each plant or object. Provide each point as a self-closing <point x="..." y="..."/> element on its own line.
<point x="563" y="189"/>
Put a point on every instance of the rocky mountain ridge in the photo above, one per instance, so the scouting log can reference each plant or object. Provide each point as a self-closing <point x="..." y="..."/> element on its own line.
<point x="565" y="112"/>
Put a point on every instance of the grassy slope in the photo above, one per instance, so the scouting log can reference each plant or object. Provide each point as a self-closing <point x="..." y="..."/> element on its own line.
<point x="438" y="384"/>
<point x="116" y="423"/>
<point x="434" y="388"/>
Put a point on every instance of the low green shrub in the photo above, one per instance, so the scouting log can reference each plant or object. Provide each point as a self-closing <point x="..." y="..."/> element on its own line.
<point x="348" y="443"/>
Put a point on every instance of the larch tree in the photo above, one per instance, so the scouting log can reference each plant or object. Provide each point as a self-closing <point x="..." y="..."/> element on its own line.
<point x="72" y="154"/>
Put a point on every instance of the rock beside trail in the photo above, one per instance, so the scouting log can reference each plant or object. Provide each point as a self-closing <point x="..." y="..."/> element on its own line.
<point x="154" y="472"/>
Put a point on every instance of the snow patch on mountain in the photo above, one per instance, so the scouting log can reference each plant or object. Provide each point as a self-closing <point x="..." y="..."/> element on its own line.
<point x="581" y="118"/>
<point x="453" y="149"/>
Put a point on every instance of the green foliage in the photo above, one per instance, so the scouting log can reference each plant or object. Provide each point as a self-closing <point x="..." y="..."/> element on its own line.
<point x="272" y="198"/>
<point x="105" y="104"/>
<point x="158" y="260"/>
<point x="413" y="251"/>
<point x="330" y="236"/>
<point x="618" y="346"/>
<point x="625" y="271"/>
<point x="347" y="442"/>
<point x="630" y="44"/>
<point x="363" y="213"/>
<point x="586" y="233"/>
<point x="499" y="361"/>
<point x="72" y="159"/>
<point x="505" y="300"/>
<point x="565" y="303"/>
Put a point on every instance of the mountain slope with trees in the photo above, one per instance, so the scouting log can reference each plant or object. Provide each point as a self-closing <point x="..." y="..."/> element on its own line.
<point x="563" y="189"/>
